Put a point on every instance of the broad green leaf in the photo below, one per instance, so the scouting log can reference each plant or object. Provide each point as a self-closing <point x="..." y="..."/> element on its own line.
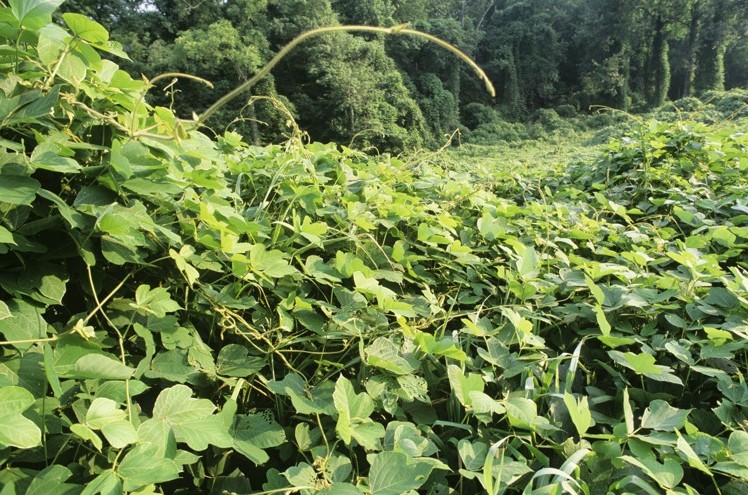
<point x="596" y="291"/>
<point x="521" y="412"/>
<point x="445" y="346"/>
<point x="6" y="236"/>
<point x="301" y="476"/>
<point x="353" y="416"/>
<point x="693" y="459"/>
<point x="119" y="434"/>
<point x="340" y="489"/>
<point x="663" y="417"/>
<point x="192" y="420"/>
<point x="25" y="371"/>
<point x="142" y="466"/>
<point x="85" y="28"/>
<point x="528" y="263"/>
<point x="483" y="406"/>
<point x="52" y="42"/>
<point x="87" y="433"/>
<point x="33" y="14"/>
<point x="462" y="385"/>
<point x="98" y="366"/>
<point x="52" y="480"/>
<point x="54" y="162"/>
<point x="106" y="483"/>
<point x="255" y="432"/>
<point x="103" y="411"/>
<point x="73" y="68"/>
<point x="272" y="264"/>
<point x="159" y="433"/>
<point x="4" y="311"/>
<point x="24" y="326"/>
<point x="50" y="373"/>
<point x="644" y="364"/>
<point x="321" y="271"/>
<point x="579" y="411"/>
<point x="18" y="189"/>
<point x="738" y="445"/>
<point x="175" y="405"/>
<point x="667" y="474"/>
<point x="38" y="106"/>
<point x="156" y="302"/>
<point x="234" y="360"/>
<point x="15" y="429"/>
<point x="472" y="454"/>
<point x="189" y="271"/>
<point x="385" y="354"/>
<point x="393" y="473"/>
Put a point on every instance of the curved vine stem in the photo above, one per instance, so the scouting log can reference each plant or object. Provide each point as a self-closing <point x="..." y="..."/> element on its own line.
<point x="400" y="29"/>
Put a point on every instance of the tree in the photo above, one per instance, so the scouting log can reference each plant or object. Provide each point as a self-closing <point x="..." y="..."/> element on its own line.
<point x="723" y="23"/>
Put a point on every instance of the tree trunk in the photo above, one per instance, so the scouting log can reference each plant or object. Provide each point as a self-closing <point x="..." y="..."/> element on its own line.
<point x="693" y="39"/>
<point x="659" y="66"/>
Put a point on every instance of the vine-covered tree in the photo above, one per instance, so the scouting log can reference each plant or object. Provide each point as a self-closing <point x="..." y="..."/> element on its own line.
<point x="629" y="54"/>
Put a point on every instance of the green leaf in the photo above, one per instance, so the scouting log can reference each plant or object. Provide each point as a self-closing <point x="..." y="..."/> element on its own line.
<point x="98" y="366"/>
<point x="234" y="360"/>
<point x="472" y="454"/>
<point x="353" y="416"/>
<point x="738" y="445"/>
<point x="521" y="412"/>
<point x="6" y="237"/>
<point x="384" y="354"/>
<point x="463" y="385"/>
<point x="667" y="474"/>
<point x="103" y="411"/>
<point x="254" y="433"/>
<point x="142" y="466"/>
<point x="301" y="476"/>
<point x="528" y="263"/>
<point x="119" y="434"/>
<point x="644" y="364"/>
<point x="15" y="429"/>
<point x="25" y="324"/>
<point x="33" y="14"/>
<point x="156" y="302"/>
<point x="484" y="406"/>
<point x="85" y="28"/>
<point x="192" y="420"/>
<point x="272" y="264"/>
<point x="663" y="417"/>
<point x="602" y="321"/>
<point x="693" y="459"/>
<point x="628" y="413"/>
<point x="580" y="413"/>
<point x="18" y="189"/>
<point x="393" y="473"/>
<point x="54" y="163"/>
<point x="87" y="433"/>
<point x="52" y="480"/>
<point x="106" y="483"/>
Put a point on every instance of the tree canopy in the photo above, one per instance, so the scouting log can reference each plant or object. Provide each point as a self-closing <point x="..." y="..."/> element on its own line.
<point x="627" y="54"/>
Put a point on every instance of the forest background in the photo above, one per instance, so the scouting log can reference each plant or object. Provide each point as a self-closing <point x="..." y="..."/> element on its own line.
<point x="548" y="58"/>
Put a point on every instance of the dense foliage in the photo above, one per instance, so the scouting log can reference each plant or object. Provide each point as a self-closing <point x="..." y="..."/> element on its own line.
<point x="632" y="55"/>
<point x="181" y="315"/>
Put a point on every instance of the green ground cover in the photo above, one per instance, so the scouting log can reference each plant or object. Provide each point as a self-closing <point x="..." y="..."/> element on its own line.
<point x="182" y="314"/>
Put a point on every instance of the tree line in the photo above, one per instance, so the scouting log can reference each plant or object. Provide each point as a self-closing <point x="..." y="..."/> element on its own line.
<point x="399" y="92"/>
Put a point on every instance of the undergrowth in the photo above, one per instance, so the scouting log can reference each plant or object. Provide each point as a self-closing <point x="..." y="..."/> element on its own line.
<point x="187" y="315"/>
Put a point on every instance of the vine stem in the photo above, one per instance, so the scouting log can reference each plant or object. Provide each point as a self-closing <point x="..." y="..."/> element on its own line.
<point x="399" y="29"/>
